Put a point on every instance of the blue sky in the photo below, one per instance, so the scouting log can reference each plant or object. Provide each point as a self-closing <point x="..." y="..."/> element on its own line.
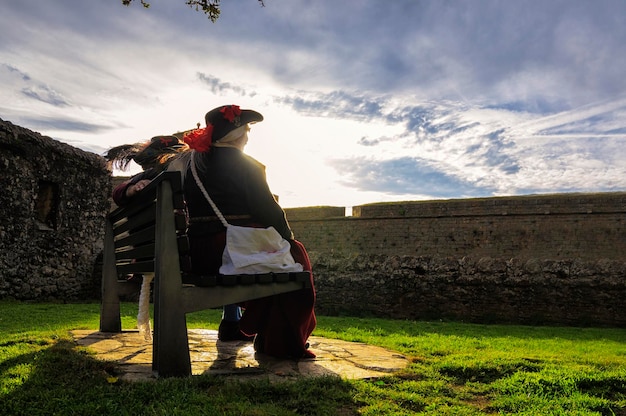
<point x="364" y="101"/>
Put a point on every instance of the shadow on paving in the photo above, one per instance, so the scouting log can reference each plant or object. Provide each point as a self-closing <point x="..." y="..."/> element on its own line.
<point x="131" y="354"/>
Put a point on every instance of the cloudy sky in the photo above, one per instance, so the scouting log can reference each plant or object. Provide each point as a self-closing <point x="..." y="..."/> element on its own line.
<point x="364" y="100"/>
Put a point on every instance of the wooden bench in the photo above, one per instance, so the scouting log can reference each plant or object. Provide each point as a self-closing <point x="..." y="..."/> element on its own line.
<point x="149" y="236"/>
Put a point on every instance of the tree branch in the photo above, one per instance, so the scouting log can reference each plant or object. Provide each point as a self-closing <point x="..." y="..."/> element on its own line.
<point x="209" y="7"/>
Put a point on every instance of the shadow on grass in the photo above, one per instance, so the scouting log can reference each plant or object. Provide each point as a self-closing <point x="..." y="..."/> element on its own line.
<point x="57" y="377"/>
<point x="52" y="378"/>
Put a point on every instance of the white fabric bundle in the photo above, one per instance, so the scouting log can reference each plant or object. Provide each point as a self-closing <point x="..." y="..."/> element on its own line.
<point x="143" y="316"/>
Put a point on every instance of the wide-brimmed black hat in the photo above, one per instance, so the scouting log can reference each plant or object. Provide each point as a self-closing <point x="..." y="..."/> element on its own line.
<point x="158" y="146"/>
<point x="146" y="154"/>
<point x="227" y="118"/>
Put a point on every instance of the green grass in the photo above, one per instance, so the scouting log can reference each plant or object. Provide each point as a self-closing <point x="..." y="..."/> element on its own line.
<point x="455" y="369"/>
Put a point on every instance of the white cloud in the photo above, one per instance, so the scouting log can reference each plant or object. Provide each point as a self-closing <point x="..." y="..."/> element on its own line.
<point x="364" y="101"/>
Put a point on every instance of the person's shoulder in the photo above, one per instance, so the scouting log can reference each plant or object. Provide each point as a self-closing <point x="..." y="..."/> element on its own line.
<point x="242" y="156"/>
<point x="235" y="157"/>
<point x="254" y="162"/>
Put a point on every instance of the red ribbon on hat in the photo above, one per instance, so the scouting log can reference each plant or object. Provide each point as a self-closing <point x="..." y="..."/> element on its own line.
<point x="199" y="139"/>
<point x="230" y="112"/>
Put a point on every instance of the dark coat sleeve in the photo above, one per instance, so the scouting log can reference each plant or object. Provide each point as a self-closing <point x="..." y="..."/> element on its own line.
<point x="119" y="193"/>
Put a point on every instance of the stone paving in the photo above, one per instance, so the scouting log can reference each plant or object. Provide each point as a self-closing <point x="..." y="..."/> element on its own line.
<point x="132" y="355"/>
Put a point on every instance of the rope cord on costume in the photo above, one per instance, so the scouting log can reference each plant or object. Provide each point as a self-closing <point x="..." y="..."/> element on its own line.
<point x="204" y="192"/>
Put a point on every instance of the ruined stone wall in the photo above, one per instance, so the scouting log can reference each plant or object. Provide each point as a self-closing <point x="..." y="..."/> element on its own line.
<point x="544" y="259"/>
<point x="52" y="206"/>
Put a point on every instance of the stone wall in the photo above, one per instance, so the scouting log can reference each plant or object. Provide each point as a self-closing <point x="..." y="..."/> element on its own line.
<point x="544" y="259"/>
<point x="563" y="226"/>
<point x="485" y="290"/>
<point x="52" y="206"/>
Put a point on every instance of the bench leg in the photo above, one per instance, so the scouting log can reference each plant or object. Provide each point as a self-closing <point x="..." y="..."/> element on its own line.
<point x="110" y="320"/>
<point x="170" y="352"/>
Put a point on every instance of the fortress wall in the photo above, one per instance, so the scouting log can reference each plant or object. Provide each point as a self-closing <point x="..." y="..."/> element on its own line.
<point x="544" y="259"/>
<point x="564" y="226"/>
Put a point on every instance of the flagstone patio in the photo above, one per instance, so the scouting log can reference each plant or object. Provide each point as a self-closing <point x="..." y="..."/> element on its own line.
<point x="132" y="355"/>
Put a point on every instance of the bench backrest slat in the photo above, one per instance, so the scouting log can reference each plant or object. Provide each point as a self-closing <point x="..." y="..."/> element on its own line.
<point x="142" y="252"/>
<point x="137" y="238"/>
<point x="140" y="203"/>
<point x="133" y="227"/>
<point x="138" y="267"/>
<point x="141" y="219"/>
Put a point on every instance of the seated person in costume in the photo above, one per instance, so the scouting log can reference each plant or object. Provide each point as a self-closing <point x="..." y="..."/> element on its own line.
<point x="155" y="156"/>
<point x="237" y="185"/>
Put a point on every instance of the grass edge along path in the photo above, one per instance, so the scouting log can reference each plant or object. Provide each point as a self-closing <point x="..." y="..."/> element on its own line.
<point x="456" y="369"/>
